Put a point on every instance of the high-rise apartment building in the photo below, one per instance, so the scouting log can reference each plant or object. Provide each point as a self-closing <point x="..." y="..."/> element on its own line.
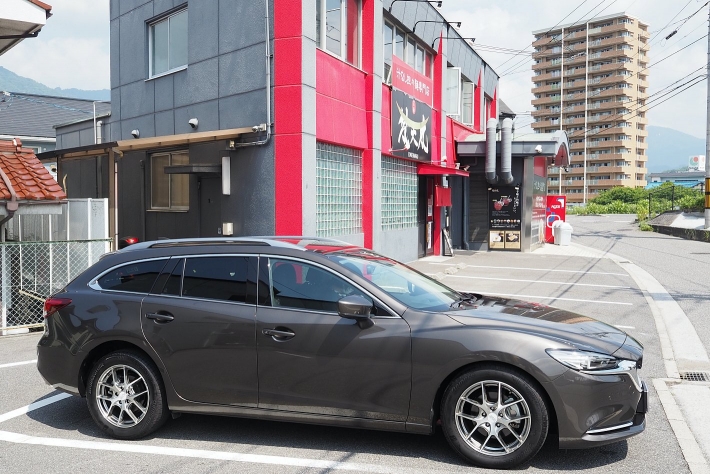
<point x="591" y="80"/>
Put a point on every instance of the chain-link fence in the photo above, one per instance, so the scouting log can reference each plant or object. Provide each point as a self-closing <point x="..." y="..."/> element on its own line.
<point x="32" y="271"/>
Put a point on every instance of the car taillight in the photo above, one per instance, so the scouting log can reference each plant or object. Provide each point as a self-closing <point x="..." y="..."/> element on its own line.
<point x="52" y="305"/>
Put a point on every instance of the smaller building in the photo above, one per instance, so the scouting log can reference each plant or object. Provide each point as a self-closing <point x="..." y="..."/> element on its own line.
<point x="20" y="19"/>
<point x="32" y="118"/>
<point x="688" y="179"/>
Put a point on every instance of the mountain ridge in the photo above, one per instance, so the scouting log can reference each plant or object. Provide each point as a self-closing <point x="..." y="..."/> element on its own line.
<point x="11" y="82"/>
<point x="670" y="149"/>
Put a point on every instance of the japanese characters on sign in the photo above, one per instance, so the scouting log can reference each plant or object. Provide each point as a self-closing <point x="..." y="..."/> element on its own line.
<point x="504" y="210"/>
<point x="411" y="130"/>
<point x="412" y="99"/>
<point x="412" y="82"/>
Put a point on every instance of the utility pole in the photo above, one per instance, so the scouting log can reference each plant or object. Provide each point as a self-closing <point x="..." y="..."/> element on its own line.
<point x="562" y="99"/>
<point x="707" y="146"/>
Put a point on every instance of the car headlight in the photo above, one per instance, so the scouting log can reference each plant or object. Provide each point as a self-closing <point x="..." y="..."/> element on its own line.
<point x="583" y="360"/>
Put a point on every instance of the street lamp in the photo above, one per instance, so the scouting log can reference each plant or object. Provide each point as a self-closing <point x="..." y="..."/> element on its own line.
<point x="473" y="40"/>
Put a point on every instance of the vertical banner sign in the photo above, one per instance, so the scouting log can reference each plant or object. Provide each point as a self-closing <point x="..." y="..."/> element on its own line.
<point x="504" y="211"/>
<point x="412" y="99"/>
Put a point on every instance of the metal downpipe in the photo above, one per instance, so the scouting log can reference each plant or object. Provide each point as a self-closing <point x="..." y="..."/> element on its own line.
<point x="506" y="151"/>
<point x="491" y="175"/>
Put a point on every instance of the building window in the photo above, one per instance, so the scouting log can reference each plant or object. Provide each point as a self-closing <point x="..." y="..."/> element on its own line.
<point x="406" y="48"/>
<point x="399" y="194"/>
<point x="169" y="191"/>
<point x="168" y="44"/>
<point x="340" y="32"/>
<point x="338" y="190"/>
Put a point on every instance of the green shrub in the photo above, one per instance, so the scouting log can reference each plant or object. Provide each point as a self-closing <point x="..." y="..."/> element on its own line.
<point x="645" y="227"/>
<point x="691" y="203"/>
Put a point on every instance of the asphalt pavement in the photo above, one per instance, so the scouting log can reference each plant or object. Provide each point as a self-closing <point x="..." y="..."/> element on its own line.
<point x="61" y="437"/>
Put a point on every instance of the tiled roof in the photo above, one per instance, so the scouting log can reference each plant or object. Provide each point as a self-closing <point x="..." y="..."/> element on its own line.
<point x="28" y="177"/>
<point x="30" y="115"/>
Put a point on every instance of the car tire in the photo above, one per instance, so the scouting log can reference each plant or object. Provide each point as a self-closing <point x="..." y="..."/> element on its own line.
<point x="485" y="431"/>
<point x="125" y="395"/>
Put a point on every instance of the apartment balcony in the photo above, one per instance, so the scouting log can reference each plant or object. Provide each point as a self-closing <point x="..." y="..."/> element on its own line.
<point x="576" y="60"/>
<point x="546" y="101"/>
<point x="616" y="27"/>
<point x="544" y="89"/>
<point x="578" y="73"/>
<point x="608" y="54"/>
<point x="546" y="77"/>
<point x="574" y="121"/>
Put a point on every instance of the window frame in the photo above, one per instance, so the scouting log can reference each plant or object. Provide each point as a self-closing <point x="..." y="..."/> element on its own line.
<point x="322" y="31"/>
<point x="151" y="34"/>
<point x="171" y="207"/>
<point x="427" y="66"/>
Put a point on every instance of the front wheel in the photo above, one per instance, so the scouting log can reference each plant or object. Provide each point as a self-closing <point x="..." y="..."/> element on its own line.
<point x="125" y="395"/>
<point x="494" y="417"/>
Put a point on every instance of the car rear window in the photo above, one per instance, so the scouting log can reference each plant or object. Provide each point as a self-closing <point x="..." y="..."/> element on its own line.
<point x="134" y="277"/>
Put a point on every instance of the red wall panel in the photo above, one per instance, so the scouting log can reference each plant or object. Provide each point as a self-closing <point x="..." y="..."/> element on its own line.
<point x="341" y="116"/>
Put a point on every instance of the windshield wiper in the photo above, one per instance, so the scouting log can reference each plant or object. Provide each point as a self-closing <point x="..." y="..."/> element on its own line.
<point x="464" y="299"/>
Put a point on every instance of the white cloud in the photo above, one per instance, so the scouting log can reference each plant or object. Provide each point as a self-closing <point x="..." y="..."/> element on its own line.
<point x="72" y="50"/>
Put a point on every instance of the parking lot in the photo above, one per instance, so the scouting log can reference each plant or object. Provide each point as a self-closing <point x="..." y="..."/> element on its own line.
<point x="62" y="437"/>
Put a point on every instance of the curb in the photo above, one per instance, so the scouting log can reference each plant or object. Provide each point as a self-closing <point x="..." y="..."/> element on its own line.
<point x="689" y="446"/>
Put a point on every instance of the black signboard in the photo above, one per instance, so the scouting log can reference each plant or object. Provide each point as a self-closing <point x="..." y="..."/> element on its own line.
<point x="505" y="214"/>
<point x="411" y="127"/>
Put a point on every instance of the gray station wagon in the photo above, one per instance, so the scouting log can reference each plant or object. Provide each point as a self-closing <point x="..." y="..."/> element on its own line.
<point x="319" y="331"/>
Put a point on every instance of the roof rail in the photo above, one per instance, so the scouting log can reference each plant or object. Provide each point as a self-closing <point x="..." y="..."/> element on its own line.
<point x="207" y="243"/>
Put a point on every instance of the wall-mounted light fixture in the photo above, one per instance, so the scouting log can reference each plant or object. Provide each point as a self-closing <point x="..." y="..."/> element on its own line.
<point x="437" y="2"/>
<point x="456" y="24"/>
<point x="136" y="133"/>
<point x="473" y="40"/>
<point x="193" y="122"/>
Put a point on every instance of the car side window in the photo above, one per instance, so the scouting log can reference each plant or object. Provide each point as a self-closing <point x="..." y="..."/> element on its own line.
<point x="303" y="286"/>
<point x="170" y="279"/>
<point x="217" y="278"/>
<point x="134" y="277"/>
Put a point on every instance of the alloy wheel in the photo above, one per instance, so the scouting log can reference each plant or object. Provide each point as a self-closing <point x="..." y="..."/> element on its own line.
<point x="493" y="418"/>
<point x="122" y="396"/>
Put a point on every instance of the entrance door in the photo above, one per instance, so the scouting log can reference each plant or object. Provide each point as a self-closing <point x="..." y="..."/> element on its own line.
<point x="425" y="216"/>
<point x="210" y="207"/>
<point x="321" y="363"/>
<point x="202" y="327"/>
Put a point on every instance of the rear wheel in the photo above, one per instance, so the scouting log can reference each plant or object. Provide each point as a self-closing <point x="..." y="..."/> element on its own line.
<point x="125" y="395"/>
<point x="494" y="417"/>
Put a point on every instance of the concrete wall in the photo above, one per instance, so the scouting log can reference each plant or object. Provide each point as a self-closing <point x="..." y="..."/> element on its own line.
<point x="399" y="244"/>
<point x="82" y="134"/>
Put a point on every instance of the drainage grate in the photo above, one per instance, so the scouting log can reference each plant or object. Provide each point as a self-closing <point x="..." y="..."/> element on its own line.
<point x="695" y="376"/>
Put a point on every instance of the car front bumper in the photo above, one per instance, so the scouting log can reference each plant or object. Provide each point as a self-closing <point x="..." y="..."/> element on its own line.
<point x="599" y="409"/>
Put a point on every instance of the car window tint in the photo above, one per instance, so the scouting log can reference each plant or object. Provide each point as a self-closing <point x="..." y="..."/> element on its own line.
<point x="168" y="283"/>
<point x="216" y="278"/>
<point x="299" y="285"/>
<point x="264" y="290"/>
<point x="134" y="277"/>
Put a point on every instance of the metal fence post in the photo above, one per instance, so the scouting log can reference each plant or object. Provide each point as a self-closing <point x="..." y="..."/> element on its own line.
<point x="3" y="284"/>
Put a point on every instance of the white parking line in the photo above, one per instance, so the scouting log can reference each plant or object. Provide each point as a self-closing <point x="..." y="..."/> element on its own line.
<point x="33" y="406"/>
<point x="14" y="364"/>
<point x="194" y="453"/>
<point x="540" y="281"/>
<point x="623" y="327"/>
<point x="535" y="269"/>
<point x="555" y="298"/>
<point x="19" y="438"/>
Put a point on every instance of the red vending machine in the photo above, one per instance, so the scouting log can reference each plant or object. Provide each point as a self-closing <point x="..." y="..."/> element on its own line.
<point x="555" y="211"/>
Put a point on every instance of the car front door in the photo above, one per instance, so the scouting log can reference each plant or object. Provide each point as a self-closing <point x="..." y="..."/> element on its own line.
<point x="313" y="361"/>
<point x="200" y="319"/>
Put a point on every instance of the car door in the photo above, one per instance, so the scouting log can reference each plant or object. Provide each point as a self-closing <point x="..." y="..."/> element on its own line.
<point x="313" y="361"/>
<point x="200" y="319"/>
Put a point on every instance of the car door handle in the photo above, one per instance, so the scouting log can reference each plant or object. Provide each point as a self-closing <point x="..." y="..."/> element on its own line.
<point x="160" y="318"/>
<point x="279" y="334"/>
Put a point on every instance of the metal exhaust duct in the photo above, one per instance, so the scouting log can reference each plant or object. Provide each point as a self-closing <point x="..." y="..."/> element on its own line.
<point x="491" y="175"/>
<point x="506" y="153"/>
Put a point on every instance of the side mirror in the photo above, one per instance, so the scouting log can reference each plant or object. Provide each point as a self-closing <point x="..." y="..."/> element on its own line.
<point x="358" y="308"/>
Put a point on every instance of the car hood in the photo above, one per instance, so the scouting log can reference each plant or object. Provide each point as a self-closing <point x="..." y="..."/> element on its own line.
<point x="570" y="328"/>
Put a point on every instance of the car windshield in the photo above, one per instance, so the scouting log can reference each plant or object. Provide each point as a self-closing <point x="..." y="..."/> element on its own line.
<point x="401" y="282"/>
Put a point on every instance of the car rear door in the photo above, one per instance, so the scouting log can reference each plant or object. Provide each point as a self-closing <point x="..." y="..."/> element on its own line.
<point x="200" y="319"/>
<point x="313" y="361"/>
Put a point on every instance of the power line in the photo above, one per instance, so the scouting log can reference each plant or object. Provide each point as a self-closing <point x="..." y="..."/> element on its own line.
<point x="586" y="15"/>
<point x="548" y="31"/>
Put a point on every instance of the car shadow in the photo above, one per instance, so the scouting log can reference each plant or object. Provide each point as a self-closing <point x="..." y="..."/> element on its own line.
<point x="72" y="415"/>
